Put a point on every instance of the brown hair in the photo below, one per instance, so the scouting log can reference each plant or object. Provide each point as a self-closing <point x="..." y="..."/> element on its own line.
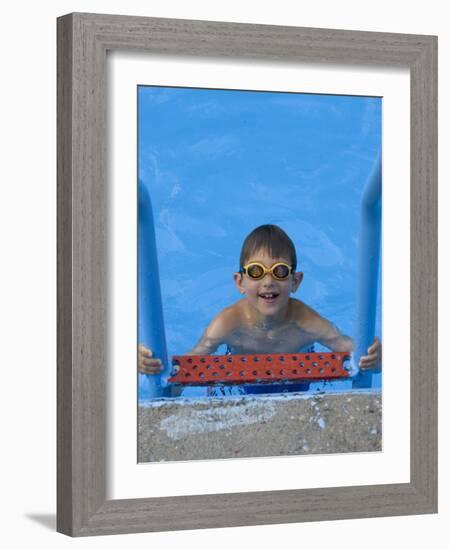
<point x="271" y="238"/>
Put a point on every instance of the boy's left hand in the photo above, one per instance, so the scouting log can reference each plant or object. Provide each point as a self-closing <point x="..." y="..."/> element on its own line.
<point x="374" y="358"/>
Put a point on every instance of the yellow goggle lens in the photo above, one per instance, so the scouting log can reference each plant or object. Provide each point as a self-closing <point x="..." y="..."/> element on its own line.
<point x="256" y="270"/>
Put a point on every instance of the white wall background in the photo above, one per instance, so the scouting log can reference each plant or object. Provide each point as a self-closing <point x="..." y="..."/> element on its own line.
<point x="28" y="270"/>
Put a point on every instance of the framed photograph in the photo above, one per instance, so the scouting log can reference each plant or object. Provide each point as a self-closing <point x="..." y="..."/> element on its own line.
<point x="177" y="142"/>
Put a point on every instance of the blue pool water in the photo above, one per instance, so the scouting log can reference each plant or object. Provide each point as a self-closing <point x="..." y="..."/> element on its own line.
<point x="219" y="163"/>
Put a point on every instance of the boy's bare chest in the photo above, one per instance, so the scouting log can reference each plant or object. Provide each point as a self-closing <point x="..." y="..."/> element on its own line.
<point x="287" y="338"/>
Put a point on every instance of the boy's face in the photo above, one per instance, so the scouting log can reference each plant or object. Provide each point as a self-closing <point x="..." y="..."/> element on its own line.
<point x="268" y="295"/>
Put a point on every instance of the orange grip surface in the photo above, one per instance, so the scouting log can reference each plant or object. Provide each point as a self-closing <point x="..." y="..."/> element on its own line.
<point x="261" y="368"/>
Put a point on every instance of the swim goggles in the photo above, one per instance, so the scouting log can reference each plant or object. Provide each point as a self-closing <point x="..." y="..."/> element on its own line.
<point x="257" y="271"/>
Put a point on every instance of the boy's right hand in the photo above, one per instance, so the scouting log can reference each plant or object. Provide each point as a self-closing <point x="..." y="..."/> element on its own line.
<point x="146" y="363"/>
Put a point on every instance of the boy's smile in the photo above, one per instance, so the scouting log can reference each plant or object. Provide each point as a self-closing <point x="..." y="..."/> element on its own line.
<point x="269" y="297"/>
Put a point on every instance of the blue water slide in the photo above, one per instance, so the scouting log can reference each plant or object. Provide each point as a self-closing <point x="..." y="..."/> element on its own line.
<point x="151" y="331"/>
<point x="368" y="270"/>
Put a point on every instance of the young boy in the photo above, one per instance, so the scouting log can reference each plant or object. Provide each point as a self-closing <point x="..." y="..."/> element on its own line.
<point x="267" y="319"/>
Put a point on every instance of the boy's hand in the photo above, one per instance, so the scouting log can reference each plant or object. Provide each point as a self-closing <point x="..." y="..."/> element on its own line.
<point x="146" y="363"/>
<point x="374" y="357"/>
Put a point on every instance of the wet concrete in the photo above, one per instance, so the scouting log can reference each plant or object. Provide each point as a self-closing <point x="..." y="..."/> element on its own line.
<point x="256" y="426"/>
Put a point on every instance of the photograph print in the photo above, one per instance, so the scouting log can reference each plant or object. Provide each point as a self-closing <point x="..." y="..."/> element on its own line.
<point x="259" y="273"/>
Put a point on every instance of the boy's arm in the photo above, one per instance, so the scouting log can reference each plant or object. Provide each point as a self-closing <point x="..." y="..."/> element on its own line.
<point x="215" y="334"/>
<point x="331" y="337"/>
<point x="336" y="341"/>
<point x="324" y="332"/>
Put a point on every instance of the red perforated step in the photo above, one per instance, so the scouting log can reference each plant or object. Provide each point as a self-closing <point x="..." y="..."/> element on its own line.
<point x="247" y="369"/>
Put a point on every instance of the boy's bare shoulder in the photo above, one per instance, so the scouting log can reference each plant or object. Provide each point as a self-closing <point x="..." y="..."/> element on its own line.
<point x="319" y="328"/>
<point x="306" y="317"/>
<point x="228" y="320"/>
<point x="299" y="310"/>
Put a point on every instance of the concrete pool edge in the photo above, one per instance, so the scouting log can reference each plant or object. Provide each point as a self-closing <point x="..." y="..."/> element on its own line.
<point x="259" y="426"/>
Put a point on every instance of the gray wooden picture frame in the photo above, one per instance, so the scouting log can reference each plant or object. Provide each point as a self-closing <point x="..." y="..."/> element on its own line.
<point x="83" y="41"/>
